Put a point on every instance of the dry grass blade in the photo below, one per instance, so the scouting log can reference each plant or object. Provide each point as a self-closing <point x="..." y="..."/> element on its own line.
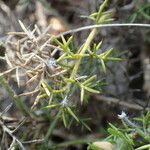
<point x="37" y="30"/>
<point x="6" y="109"/>
<point x="34" y="141"/>
<point x="59" y="73"/>
<point x="6" y="72"/>
<point x="29" y="93"/>
<point x="29" y="34"/>
<point x="17" y="33"/>
<point x="34" y="78"/>
<point x="29" y="59"/>
<point x="17" y="76"/>
<point x="42" y="47"/>
<point x="35" y="102"/>
<point x="8" y="61"/>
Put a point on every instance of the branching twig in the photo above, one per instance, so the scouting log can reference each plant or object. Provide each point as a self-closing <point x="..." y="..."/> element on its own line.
<point x="9" y="132"/>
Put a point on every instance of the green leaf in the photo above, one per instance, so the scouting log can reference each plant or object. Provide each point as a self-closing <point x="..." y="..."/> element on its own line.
<point x="93" y="14"/>
<point x="61" y="57"/>
<point x="63" y="39"/>
<point x="124" y="136"/>
<point x="99" y="45"/>
<point x="72" y="114"/>
<point x="146" y="119"/>
<point x="66" y="45"/>
<point x="99" y="84"/>
<point x="101" y="8"/>
<point x="108" y="53"/>
<point x="69" y="80"/>
<point x="89" y="80"/>
<point x="114" y="59"/>
<point x="45" y="86"/>
<point x="85" y="125"/>
<point x="91" y="90"/>
<point x="144" y="135"/>
<point x="133" y="17"/>
<point x="82" y="95"/>
<point x="69" y="41"/>
<point x="106" y="17"/>
<point x="42" y="96"/>
<point x="52" y="106"/>
<point x="58" y="43"/>
<point x="88" y="17"/>
<point x="64" y="119"/>
<point x="103" y="66"/>
<point x="145" y="15"/>
<point x="91" y="17"/>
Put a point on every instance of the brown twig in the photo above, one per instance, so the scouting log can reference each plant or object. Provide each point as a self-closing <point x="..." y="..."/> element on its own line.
<point x="111" y="100"/>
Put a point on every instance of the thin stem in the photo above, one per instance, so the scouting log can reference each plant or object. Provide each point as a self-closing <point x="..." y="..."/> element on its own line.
<point x="73" y="142"/>
<point x="21" y="106"/>
<point x="52" y="126"/>
<point x="82" y="52"/>
<point x="103" y="26"/>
